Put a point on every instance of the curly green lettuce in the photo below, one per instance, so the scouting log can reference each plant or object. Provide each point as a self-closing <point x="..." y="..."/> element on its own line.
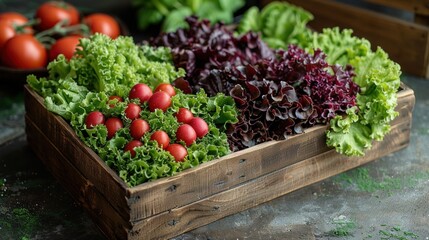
<point x="151" y="162"/>
<point x="379" y="79"/>
<point x="103" y="65"/>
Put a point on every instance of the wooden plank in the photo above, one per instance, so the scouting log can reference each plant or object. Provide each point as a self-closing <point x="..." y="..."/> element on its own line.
<point x="81" y="157"/>
<point x="224" y="173"/>
<point x="109" y="221"/>
<point x="416" y="6"/>
<point x="264" y="188"/>
<point x="406" y="43"/>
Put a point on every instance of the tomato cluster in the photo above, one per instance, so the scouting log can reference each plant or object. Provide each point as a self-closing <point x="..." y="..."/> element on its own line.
<point x="55" y="29"/>
<point x="141" y="95"/>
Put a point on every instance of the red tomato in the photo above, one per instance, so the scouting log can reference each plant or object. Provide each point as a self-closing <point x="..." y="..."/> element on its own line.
<point x="178" y="151"/>
<point x="9" y="26"/>
<point x="13" y="17"/>
<point x="186" y="133"/>
<point x="131" y="145"/>
<point x="133" y="111"/>
<point x="113" y="124"/>
<point x="200" y="126"/>
<point x="103" y="23"/>
<point x="66" y="46"/>
<point x="53" y="12"/>
<point x="159" y="100"/>
<point x="24" y="52"/>
<point x="184" y="115"/>
<point x="93" y="119"/>
<point x="166" y="87"/>
<point x="6" y="32"/>
<point x="112" y="99"/>
<point x="138" y="128"/>
<point x="161" y="137"/>
<point x="140" y="91"/>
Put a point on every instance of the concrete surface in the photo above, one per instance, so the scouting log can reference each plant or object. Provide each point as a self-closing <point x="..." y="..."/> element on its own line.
<point x="385" y="199"/>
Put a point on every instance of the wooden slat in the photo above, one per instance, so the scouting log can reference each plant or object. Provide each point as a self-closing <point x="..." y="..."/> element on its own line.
<point x="406" y="43"/>
<point x="78" y="186"/>
<point x="83" y="158"/>
<point x="264" y="188"/>
<point x="416" y="6"/>
<point x="221" y="174"/>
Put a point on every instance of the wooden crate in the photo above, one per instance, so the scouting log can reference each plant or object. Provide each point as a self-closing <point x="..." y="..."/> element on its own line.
<point x="406" y="41"/>
<point x="195" y="197"/>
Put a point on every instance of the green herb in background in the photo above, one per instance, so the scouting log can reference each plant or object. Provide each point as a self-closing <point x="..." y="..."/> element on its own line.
<point x="279" y="23"/>
<point x="343" y="227"/>
<point x="20" y="223"/>
<point x="171" y="14"/>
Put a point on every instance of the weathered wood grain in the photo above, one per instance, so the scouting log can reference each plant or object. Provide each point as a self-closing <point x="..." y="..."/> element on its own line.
<point x="109" y="221"/>
<point x="80" y="156"/>
<point x="415" y="6"/>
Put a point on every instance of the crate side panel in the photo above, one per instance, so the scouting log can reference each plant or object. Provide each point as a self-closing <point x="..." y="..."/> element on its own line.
<point x="379" y="29"/>
<point x="264" y="188"/>
<point x="81" y="189"/>
<point x="221" y="174"/>
<point x="80" y="156"/>
<point x="416" y="6"/>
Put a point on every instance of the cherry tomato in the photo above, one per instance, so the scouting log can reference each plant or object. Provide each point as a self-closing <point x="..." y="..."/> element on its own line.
<point x="24" y="52"/>
<point x="53" y="12"/>
<point x="131" y="145"/>
<point x="140" y="91"/>
<point x="138" y="128"/>
<point x="161" y="137"/>
<point x="113" y="124"/>
<point x="112" y="100"/>
<point x="166" y="87"/>
<point x="184" y="115"/>
<point x="13" y="17"/>
<point x="133" y="111"/>
<point x="186" y="133"/>
<point x="66" y="46"/>
<point x="93" y="119"/>
<point x="200" y="126"/>
<point x="103" y="23"/>
<point x="159" y="100"/>
<point x="178" y="151"/>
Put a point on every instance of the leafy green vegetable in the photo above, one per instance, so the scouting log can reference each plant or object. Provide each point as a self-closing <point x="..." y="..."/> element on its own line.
<point x="379" y="80"/>
<point x="151" y="162"/>
<point x="172" y="13"/>
<point x="106" y="67"/>
<point x="340" y="46"/>
<point x="378" y="77"/>
<point x="280" y="24"/>
<point x="103" y="65"/>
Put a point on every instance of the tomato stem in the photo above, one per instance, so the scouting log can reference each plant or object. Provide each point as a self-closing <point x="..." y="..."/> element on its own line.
<point x="46" y="36"/>
<point x="25" y="27"/>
